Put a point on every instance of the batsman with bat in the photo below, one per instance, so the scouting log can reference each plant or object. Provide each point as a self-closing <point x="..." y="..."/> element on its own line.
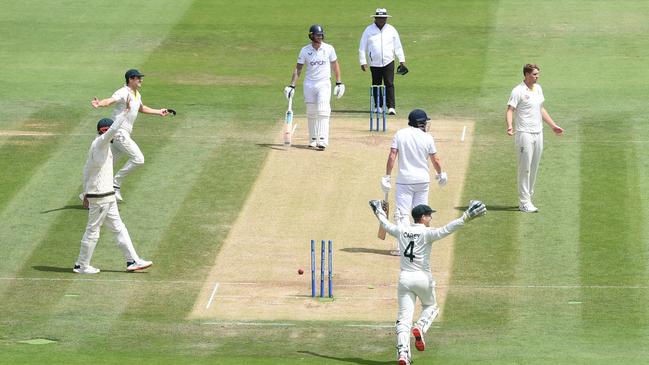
<point x="320" y="59"/>
<point x="129" y="99"/>
<point x="416" y="279"/>
<point x="412" y="146"/>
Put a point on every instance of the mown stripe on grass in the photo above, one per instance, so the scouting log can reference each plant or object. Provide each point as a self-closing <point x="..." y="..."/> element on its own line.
<point x="22" y="155"/>
<point x="613" y="241"/>
<point x="485" y="251"/>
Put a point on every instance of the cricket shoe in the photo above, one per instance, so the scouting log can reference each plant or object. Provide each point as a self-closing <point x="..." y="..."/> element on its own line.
<point x="391" y="111"/>
<point x="378" y="110"/>
<point x="395" y="253"/>
<point x="118" y="194"/>
<point x="528" y="208"/>
<point x="138" y="265"/>
<point x="313" y="143"/>
<point x="85" y="269"/>
<point x="420" y="344"/>
<point x="321" y="146"/>
<point x="403" y="359"/>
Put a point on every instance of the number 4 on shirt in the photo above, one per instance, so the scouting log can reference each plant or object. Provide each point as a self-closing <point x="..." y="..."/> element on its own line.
<point x="408" y="252"/>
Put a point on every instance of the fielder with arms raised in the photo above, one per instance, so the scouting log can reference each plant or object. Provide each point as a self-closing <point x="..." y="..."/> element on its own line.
<point x="100" y="195"/>
<point x="320" y="58"/>
<point x="416" y="279"/>
<point x="127" y="99"/>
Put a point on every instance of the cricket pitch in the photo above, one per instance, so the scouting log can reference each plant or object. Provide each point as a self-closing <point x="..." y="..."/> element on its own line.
<point x="302" y="194"/>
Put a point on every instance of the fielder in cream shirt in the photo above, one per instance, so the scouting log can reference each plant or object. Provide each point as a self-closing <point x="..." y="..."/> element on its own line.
<point x="525" y="108"/>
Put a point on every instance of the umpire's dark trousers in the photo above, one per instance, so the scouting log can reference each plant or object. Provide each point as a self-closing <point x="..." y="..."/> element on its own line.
<point x="385" y="76"/>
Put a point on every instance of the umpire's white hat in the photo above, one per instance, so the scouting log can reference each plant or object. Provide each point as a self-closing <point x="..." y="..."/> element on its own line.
<point x="381" y="13"/>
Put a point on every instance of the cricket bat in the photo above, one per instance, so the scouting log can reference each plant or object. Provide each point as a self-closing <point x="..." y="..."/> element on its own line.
<point x="288" y="124"/>
<point x="386" y="207"/>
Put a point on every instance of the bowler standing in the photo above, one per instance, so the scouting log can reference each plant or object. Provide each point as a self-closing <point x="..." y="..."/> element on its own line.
<point x="525" y="108"/>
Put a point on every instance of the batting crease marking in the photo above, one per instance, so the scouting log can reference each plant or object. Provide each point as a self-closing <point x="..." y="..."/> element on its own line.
<point x="209" y="302"/>
<point x="530" y="286"/>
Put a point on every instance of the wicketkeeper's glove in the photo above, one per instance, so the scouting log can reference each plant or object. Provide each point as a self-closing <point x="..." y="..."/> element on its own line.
<point x="377" y="208"/>
<point x="476" y="209"/>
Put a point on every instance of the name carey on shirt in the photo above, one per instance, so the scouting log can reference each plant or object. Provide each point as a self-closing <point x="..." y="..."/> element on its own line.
<point x="412" y="236"/>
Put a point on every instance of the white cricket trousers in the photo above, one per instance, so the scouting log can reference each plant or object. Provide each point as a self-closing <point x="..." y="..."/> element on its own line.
<point x="104" y="211"/>
<point x="529" y="147"/>
<point x="123" y="144"/>
<point x="317" y="97"/>
<point x="413" y="285"/>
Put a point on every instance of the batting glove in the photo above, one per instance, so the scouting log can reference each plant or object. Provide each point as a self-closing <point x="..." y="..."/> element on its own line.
<point x="339" y="90"/>
<point x="442" y="178"/>
<point x="289" y="91"/>
<point x="476" y="209"/>
<point x="377" y="208"/>
<point x="386" y="183"/>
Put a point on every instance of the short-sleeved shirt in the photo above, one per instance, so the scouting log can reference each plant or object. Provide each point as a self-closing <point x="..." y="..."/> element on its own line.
<point x="528" y="103"/>
<point x="317" y="62"/>
<point x="414" y="146"/>
<point x="134" y="99"/>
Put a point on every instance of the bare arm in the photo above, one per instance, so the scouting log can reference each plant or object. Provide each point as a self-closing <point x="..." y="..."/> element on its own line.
<point x="548" y="120"/>
<point x="96" y="103"/>
<point x="146" y="110"/>
<point x="392" y="157"/>
<point x="296" y="73"/>
<point x="336" y="69"/>
<point x="436" y="164"/>
<point x="509" y="118"/>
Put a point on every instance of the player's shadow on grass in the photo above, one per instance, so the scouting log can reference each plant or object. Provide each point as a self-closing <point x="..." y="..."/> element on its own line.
<point x="354" y="360"/>
<point x="343" y="111"/>
<point x="280" y="146"/>
<point x="69" y="270"/>
<point x="78" y="206"/>
<point x="496" y="208"/>
<point x="366" y="250"/>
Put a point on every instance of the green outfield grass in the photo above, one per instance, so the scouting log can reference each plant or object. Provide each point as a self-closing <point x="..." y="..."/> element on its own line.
<point x="568" y="285"/>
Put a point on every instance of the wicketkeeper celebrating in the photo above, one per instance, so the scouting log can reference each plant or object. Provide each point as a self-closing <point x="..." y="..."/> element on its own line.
<point x="416" y="279"/>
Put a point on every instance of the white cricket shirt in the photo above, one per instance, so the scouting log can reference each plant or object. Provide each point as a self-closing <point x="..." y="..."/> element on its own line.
<point x="380" y="45"/>
<point x="414" y="146"/>
<point x="527" y="103"/>
<point x="98" y="171"/>
<point x="415" y="241"/>
<point x="317" y="62"/>
<point x="127" y="99"/>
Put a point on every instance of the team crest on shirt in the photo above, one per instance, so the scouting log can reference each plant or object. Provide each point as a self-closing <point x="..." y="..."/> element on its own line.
<point x="310" y="53"/>
<point x="526" y="97"/>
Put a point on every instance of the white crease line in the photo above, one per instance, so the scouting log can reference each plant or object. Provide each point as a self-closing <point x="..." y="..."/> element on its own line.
<point x="248" y="324"/>
<point x="463" y="133"/>
<point x="209" y="302"/>
<point x="371" y="325"/>
<point x="530" y="286"/>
